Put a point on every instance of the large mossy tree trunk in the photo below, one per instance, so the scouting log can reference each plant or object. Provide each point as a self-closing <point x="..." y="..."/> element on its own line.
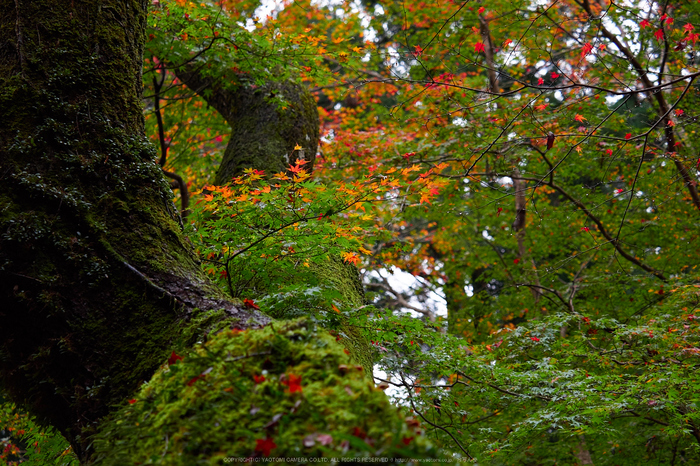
<point x="97" y="283"/>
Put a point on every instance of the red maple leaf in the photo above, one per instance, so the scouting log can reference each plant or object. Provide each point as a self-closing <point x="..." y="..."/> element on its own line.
<point x="534" y="339"/>
<point x="293" y="382"/>
<point x="250" y="304"/>
<point x="194" y="379"/>
<point x="628" y="136"/>
<point x="555" y="75"/>
<point x="659" y="34"/>
<point x="587" y="47"/>
<point x="479" y="47"/>
<point x="540" y="82"/>
<point x="644" y="23"/>
<point x="174" y="358"/>
<point x="265" y="446"/>
<point x="259" y="378"/>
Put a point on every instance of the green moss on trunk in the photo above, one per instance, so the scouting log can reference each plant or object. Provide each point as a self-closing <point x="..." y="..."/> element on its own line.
<point x="96" y="280"/>
<point x="288" y="385"/>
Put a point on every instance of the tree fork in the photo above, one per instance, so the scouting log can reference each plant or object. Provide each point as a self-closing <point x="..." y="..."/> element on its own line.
<point x="264" y="133"/>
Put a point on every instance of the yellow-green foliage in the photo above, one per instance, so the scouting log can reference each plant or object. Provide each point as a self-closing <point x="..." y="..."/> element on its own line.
<point x="214" y="404"/>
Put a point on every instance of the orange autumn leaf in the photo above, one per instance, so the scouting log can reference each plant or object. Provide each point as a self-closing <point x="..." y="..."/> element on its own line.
<point x="250" y="304"/>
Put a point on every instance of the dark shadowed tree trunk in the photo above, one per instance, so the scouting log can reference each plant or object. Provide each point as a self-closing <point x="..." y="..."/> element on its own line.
<point x="95" y="278"/>
<point x="97" y="283"/>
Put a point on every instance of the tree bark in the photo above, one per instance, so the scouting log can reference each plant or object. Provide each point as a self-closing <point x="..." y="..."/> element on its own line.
<point x="97" y="283"/>
<point x="95" y="277"/>
<point x="267" y="122"/>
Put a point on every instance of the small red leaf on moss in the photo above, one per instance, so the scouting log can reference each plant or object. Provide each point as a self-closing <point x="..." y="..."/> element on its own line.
<point x="259" y="378"/>
<point x="200" y="376"/>
<point x="174" y="358"/>
<point x="293" y="382"/>
<point x="132" y="401"/>
<point x="265" y="446"/>
<point x="193" y="380"/>
<point x="407" y="440"/>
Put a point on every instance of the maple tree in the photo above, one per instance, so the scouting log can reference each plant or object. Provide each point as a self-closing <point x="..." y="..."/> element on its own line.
<point x="535" y="164"/>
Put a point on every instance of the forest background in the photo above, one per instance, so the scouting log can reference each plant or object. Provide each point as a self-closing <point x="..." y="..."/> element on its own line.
<point x="532" y="165"/>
